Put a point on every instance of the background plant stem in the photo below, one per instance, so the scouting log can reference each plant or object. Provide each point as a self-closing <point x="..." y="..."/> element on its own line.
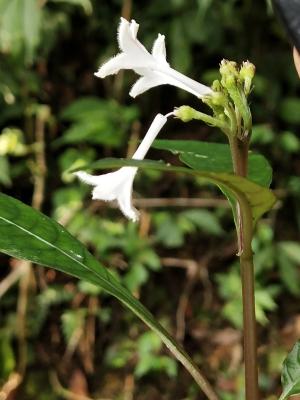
<point x="239" y="152"/>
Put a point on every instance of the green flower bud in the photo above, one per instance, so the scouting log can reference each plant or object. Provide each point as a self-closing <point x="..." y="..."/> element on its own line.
<point x="218" y="99"/>
<point x="228" y="68"/>
<point x="216" y="86"/>
<point x="247" y="70"/>
<point x="229" y="81"/>
<point x="185" y="113"/>
<point x="247" y="73"/>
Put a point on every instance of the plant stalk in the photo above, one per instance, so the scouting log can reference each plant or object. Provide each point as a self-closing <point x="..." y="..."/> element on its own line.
<point x="239" y="152"/>
<point x="250" y="343"/>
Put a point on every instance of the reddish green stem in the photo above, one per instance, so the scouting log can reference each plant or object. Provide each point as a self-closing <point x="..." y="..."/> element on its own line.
<point x="239" y="152"/>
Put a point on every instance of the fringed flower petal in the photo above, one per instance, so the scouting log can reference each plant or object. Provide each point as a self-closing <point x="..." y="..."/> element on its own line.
<point x="159" y="49"/>
<point x="145" y="83"/>
<point x="153" y="67"/>
<point x="118" y="185"/>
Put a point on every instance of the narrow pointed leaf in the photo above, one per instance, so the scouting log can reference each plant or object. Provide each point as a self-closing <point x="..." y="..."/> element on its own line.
<point x="259" y="198"/>
<point x="216" y="157"/>
<point x="28" y="234"/>
<point x="290" y="375"/>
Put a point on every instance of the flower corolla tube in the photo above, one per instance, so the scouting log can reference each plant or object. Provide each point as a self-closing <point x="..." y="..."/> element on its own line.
<point x="118" y="185"/>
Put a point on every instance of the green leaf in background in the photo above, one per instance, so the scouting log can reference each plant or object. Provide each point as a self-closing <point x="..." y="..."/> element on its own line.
<point x="230" y="290"/>
<point x="149" y="359"/>
<point x="289" y="110"/>
<point x="26" y="233"/>
<point x="72" y="323"/>
<point x="262" y="134"/>
<point x="260" y="198"/>
<point x="290" y="376"/>
<point x="97" y="121"/>
<point x="216" y="157"/>
<point x="31" y="26"/>
<point x="203" y="219"/>
<point x="20" y="23"/>
<point x="4" y="171"/>
<point x="292" y="250"/>
<point x="289" y="142"/>
<point x="288" y="259"/>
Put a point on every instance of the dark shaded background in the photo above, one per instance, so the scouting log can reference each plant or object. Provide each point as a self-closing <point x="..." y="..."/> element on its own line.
<point x="59" y="336"/>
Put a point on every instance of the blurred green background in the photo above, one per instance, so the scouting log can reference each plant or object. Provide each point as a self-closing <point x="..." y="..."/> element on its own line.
<point x="61" y="339"/>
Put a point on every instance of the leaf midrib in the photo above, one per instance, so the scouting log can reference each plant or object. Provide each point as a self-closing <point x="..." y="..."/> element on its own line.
<point x="64" y="253"/>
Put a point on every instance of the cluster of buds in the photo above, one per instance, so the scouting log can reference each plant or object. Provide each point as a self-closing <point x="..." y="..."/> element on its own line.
<point x="228" y="101"/>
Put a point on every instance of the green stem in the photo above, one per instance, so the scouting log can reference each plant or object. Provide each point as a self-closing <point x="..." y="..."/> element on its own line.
<point x="198" y="115"/>
<point x="239" y="152"/>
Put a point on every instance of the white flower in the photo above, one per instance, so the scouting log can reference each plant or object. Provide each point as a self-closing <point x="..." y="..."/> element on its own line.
<point x="118" y="185"/>
<point x="154" y="68"/>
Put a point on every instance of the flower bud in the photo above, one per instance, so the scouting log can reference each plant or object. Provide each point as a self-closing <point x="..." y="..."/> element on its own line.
<point x="218" y="99"/>
<point x="216" y="86"/>
<point x="246" y="75"/>
<point x="229" y="73"/>
<point x="185" y="113"/>
<point x="228" y="68"/>
<point x="229" y="81"/>
<point x="247" y="70"/>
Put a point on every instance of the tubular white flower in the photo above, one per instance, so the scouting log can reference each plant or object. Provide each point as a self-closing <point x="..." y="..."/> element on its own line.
<point x="153" y="68"/>
<point x="118" y="185"/>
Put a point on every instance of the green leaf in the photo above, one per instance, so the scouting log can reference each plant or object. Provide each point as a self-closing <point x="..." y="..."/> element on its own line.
<point x="289" y="142"/>
<point x="148" y="347"/>
<point x="290" y="375"/>
<point x="262" y="134"/>
<point x="288" y="259"/>
<point x="215" y="157"/>
<point x="72" y="322"/>
<point x="289" y="110"/>
<point x="97" y="121"/>
<point x="4" y="171"/>
<point x="136" y="277"/>
<point x="292" y="250"/>
<point x="7" y="357"/>
<point x="20" y="24"/>
<point x="205" y="220"/>
<point x="260" y="199"/>
<point x="28" y="234"/>
<point x="31" y="26"/>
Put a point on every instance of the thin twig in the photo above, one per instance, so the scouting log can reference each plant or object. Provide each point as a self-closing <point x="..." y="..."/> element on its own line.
<point x="87" y="343"/>
<point x="183" y="304"/>
<point x="39" y="174"/>
<point x="12" y="278"/>
<point x="41" y="167"/>
<point x="65" y="393"/>
<point x="21" y="319"/>
<point x="129" y="387"/>
<point x="10" y="385"/>
<point x="194" y="271"/>
<point x="180" y="202"/>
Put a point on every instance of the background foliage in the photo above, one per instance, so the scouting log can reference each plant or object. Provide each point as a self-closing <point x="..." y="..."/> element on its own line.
<point x="62" y="336"/>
